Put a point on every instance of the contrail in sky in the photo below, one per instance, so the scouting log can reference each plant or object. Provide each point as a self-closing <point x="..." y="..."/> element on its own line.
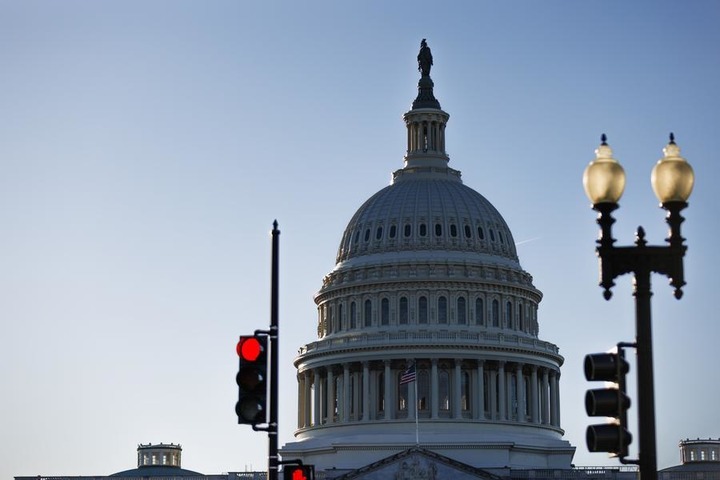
<point x="527" y="241"/>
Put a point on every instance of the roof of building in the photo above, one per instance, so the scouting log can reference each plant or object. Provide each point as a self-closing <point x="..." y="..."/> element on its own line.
<point x="697" y="466"/>
<point x="156" y="471"/>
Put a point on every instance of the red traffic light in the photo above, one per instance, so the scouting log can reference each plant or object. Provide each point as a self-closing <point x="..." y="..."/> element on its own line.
<point x="251" y="378"/>
<point x="299" y="472"/>
<point x="249" y="348"/>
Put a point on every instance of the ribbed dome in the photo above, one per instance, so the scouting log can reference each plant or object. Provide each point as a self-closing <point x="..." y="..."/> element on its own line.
<point x="428" y="209"/>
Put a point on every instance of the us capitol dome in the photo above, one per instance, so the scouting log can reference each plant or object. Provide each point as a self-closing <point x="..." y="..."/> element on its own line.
<point x="427" y="329"/>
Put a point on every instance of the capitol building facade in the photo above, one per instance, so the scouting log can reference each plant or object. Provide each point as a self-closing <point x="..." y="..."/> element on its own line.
<point x="427" y="328"/>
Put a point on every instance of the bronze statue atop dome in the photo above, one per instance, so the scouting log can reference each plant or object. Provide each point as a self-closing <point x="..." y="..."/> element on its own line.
<point x="424" y="59"/>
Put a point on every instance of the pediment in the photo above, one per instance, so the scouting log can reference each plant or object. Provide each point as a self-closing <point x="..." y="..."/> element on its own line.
<point x="418" y="464"/>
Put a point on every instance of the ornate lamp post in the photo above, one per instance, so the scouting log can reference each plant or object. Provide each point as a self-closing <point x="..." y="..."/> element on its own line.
<point x="672" y="181"/>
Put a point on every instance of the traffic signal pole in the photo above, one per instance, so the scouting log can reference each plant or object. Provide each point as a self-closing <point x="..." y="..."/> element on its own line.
<point x="645" y="378"/>
<point x="273" y="461"/>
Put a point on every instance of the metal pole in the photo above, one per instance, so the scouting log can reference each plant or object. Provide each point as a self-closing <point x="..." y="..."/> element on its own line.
<point x="273" y="461"/>
<point x="645" y="382"/>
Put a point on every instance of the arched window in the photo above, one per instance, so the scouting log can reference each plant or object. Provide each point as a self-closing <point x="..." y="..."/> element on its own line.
<point x="403" y="311"/>
<point x="393" y="231"/>
<point x="492" y="235"/>
<point x="378" y="233"/>
<point x="453" y="230"/>
<point x="442" y="309"/>
<point x="423" y="390"/>
<point x="330" y="320"/>
<point x="521" y="320"/>
<point x="481" y="233"/>
<point x="479" y="311"/>
<point x="368" y="313"/>
<point x="486" y="394"/>
<point x="385" y="312"/>
<point x="526" y="389"/>
<point x="381" y="391"/>
<point x="323" y="404"/>
<point x="495" y="313"/>
<point x="461" y="313"/>
<point x="339" y="393"/>
<point x="367" y="234"/>
<point x="353" y="315"/>
<point x="465" y="391"/>
<point x="444" y="390"/>
<point x="407" y="230"/>
<point x="355" y="399"/>
<point x="438" y="230"/>
<point x="508" y="315"/>
<point x="468" y="231"/>
<point x="402" y="394"/>
<point x="340" y="318"/>
<point x="423" y="230"/>
<point x="422" y="310"/>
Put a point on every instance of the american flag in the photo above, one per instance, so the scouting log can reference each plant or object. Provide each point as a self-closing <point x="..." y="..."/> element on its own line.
<point x="408" y="375"/>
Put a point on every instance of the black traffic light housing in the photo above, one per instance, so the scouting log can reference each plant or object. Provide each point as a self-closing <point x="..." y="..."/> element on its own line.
<point x="299" y="472"/>
<point x="251" y="378"/>
<point x="611" y="402"/>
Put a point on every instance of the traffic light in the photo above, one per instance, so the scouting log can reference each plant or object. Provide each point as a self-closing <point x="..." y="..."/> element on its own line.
<point x="251" y="407"/>
<point x="611" y="402"/>
<point x="299" y="472"/>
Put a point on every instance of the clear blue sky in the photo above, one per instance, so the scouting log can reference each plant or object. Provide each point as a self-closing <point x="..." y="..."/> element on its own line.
<point x="147" y="146"/>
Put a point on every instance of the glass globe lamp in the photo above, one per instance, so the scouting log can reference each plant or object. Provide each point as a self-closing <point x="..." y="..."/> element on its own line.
<point x="604" y="177"/>
<point x="672" y="177"/>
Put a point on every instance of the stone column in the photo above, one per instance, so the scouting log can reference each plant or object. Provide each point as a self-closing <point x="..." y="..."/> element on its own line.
<point x="457" y="404"/>
<point x="346" y="393"/>
<point x="544" y="400"/>
<point x="317" y="414"/>
<point x="434" y="388"/>
<point x="389" y="397"/>
<point x="534" y="411"/>
<point x="300" y="400"/>
<point x="508" y="386"/>
<point x="493" y="394"/>
<point x="357" y="396"/>
<point x="554" y="400"/>
<point x="502" y="385"/>
<point x="520" y="393"/>
<point x="307" y="403"/>
<point x="480" y="391"/>
<point x="330" y="396"/>
<point x="365" y="392"/>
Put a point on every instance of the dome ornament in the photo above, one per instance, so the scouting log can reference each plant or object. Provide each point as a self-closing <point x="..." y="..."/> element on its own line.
<point x="425" y="59"/>
<point x="426" y="97"/>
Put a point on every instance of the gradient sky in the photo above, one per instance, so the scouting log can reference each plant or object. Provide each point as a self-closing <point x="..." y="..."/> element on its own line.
<point x="147" y="146"/>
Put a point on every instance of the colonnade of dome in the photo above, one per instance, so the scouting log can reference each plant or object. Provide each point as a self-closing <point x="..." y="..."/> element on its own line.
<point x="447" y="389"/>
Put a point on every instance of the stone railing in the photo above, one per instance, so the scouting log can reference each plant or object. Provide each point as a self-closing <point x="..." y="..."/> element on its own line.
<point x="410" y="338"/>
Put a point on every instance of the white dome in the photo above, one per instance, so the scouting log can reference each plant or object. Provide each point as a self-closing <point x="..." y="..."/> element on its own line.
<point x="427" y="211"/>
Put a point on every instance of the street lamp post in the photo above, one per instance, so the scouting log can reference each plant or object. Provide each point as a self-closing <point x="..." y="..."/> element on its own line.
<point x="672" y="181"/>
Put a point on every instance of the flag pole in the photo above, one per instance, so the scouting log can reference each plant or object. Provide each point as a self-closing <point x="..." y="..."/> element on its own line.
<point x="417" y="402"/>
